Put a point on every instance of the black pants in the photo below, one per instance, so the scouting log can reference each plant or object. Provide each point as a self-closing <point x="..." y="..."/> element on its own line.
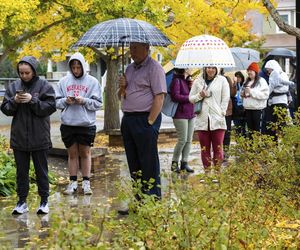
<point x="253" y="120"/>
<point x="274" y="119"/>
<point x="226" y="141"/>
<point x="240" y="126"/>
<point x="267" y="120"/>
<point x="40" y="162"/>
<point x="140" y="141"/>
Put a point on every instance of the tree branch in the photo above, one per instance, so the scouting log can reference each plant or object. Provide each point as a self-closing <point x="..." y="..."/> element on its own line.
<point x="14" y="46"/>
<point x="37" y="32"/>
<point x="289" y="29"/>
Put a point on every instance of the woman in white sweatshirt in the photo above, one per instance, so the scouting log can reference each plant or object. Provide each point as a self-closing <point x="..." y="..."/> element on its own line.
<point x="255" y="93"/>
<point x="213" y="91"/>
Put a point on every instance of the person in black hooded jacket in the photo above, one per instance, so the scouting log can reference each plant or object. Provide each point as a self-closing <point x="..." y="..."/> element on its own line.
<point x="30" y="100"/>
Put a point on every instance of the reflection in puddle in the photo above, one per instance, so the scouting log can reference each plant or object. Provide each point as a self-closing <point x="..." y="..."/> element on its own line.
<point x="16" y="231"/>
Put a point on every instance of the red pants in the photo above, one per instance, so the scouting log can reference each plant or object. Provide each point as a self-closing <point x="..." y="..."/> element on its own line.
<point x="215" y="139"/>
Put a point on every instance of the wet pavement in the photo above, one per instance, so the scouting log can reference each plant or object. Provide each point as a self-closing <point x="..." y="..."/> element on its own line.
<point x="16" y="231"/>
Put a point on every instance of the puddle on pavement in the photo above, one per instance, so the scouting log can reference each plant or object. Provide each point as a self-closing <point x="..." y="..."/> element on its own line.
<point x="16" y="231"/>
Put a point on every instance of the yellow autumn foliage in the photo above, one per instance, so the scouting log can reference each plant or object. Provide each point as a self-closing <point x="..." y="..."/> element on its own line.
<point x="50" y="28"/>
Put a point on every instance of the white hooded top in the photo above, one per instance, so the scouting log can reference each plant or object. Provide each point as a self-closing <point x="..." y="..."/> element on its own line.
<point x="278" y="83"/>
<point x="85" y="86"/>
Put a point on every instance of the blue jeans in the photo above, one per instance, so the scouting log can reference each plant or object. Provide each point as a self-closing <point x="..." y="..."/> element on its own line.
<point x="140" y="142"/>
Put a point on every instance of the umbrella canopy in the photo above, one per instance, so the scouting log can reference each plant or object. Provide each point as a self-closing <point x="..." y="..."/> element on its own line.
<point x="243" y="57"/>
<point x="122" y="31"/>
<point x="204" y="51"/>
<point x="281" y="52"/>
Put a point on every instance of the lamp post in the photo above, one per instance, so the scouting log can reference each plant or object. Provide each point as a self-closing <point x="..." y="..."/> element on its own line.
<point x="298" y="52"/>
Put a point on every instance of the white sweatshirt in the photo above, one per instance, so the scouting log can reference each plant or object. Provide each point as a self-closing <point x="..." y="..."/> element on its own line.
<point x="259" y="95"/>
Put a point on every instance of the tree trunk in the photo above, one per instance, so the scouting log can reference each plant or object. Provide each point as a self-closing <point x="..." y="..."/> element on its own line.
<point x="289" y="29"/>
<point x="111" y="111"/>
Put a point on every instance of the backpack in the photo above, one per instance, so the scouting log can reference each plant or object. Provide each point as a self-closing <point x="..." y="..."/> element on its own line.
<point x="238" y="110"/>
<point x="169" y="107"/>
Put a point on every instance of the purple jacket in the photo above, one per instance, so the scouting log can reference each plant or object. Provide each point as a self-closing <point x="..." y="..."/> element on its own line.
<point x="180" y="93"/>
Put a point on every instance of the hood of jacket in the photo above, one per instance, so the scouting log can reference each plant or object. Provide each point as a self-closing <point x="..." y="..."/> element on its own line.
<point x="31" y="60"/>
<point x="79" y="57"/>
<point x="274" y="65"/>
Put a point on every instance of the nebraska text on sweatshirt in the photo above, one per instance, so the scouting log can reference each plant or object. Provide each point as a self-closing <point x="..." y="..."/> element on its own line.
<point x="85" y="86"/>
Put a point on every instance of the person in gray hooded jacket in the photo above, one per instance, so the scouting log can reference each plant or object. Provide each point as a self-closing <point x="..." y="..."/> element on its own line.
<point x="279" y="96"/>
<point x="30" y="101"/>
<point x="79" y="97"/>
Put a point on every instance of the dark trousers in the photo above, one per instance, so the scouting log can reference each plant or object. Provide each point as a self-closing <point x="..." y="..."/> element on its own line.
<point x="226" y="142"/>
<point x="253" y="120"/>
<point x="266" y="120"/>
<point x="275" y="119"/>
<point x="140" y="141"/>
<point x="40" y="162"/>
<point x="240" y="126"/>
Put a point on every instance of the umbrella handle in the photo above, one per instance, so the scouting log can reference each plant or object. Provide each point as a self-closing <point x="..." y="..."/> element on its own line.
<point x="123" y="93"/>
<point x="123" y="59"/>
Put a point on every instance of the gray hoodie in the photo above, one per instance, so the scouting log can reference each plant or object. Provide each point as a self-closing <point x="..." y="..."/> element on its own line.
<point x="85" y="86"/>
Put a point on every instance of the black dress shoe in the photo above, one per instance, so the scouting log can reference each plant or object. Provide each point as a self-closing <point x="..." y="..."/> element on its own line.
<point x="174" y="167"/>
<point x="185" y="167"/>
<point x="123" y="212"/>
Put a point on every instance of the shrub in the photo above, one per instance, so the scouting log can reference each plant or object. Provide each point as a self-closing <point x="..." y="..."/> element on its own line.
<point x="255" y="205"/>
<point x="8" y="170"/>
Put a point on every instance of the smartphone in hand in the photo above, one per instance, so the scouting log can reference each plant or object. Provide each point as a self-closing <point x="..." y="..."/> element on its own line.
<point x="20" y="91"/>
<point x="72" y="98"/>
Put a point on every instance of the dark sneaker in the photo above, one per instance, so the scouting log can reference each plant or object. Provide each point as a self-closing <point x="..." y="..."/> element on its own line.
<point x="43" y="209"/>
<point x="20" y="208"/>
<point x="123" y="212"/>
<point x="174" y="167"/>
<point x="185" y="167"/>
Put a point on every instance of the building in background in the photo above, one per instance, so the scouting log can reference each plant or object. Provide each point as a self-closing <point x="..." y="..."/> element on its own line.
<point x="265" y="27"/>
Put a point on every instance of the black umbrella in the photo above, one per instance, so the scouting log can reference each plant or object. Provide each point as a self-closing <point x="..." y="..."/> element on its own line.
<point x="281" y="52"/>
<point x="121" y="32"/>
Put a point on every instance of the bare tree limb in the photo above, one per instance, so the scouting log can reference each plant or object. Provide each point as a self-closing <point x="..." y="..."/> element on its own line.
<point x="14" y="46"/>
<point x="289" y="29"/>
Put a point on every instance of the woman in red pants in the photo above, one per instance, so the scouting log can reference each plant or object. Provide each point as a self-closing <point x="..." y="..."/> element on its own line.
<point x="213" y="91"/>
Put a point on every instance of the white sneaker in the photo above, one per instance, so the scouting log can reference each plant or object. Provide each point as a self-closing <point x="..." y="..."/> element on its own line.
<point x="43" y="209"/>
<point x="20" y="208"/>
<point x="71" y="188"/>
<point x="86" y="188"/>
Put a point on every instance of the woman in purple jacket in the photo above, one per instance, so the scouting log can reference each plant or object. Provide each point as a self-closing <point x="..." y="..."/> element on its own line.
<point x="183" y="120"/>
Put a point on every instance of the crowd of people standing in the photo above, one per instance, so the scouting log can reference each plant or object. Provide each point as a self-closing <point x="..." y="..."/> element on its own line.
<point x="245" y="101"/>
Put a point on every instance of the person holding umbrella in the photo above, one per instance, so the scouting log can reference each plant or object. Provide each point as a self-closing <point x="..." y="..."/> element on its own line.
<point x="214" y="93"/>
<point x="145" y="86"/>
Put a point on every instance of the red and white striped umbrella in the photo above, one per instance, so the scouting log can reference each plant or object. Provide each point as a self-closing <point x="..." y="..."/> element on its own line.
<point x="204" y="51"/>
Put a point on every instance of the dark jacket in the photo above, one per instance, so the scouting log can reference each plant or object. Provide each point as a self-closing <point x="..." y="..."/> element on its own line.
<point x="30" y="129"/>
<point x="180" y="93"/>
